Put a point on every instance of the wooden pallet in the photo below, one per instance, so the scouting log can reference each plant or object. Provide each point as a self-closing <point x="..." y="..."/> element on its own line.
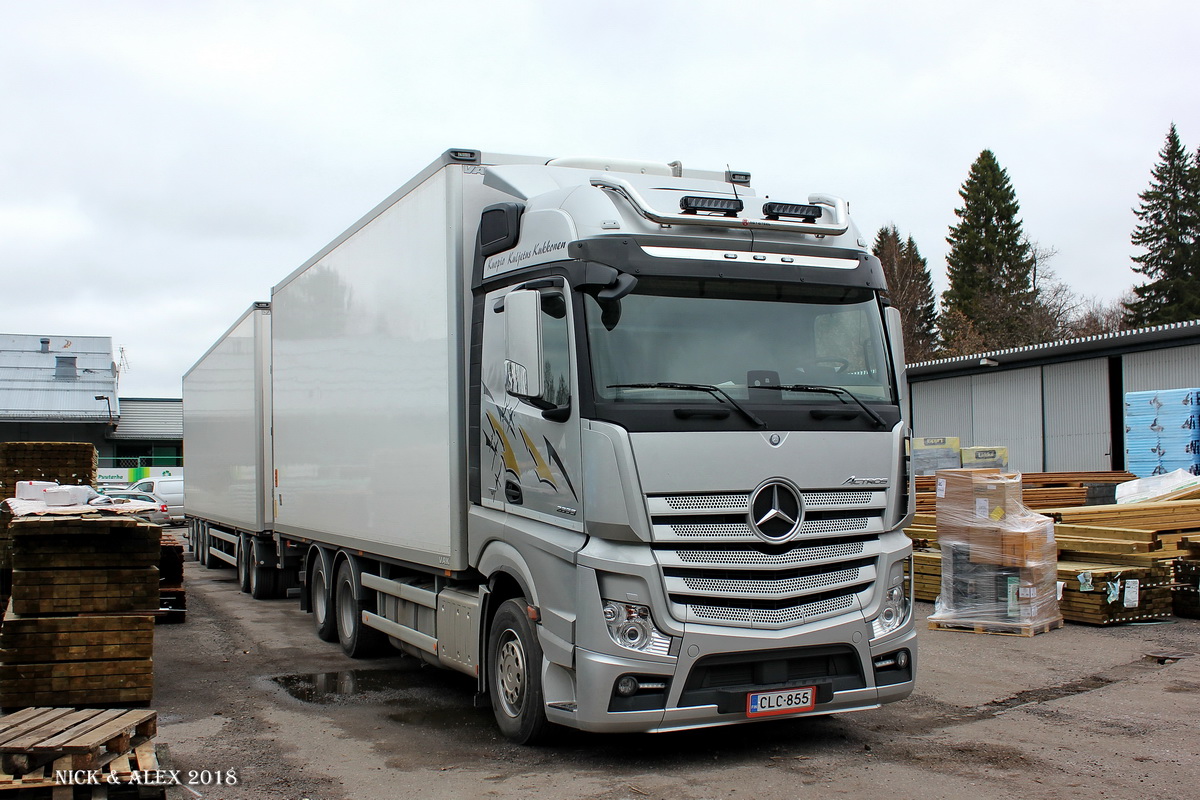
<point x="89" y="738"/>
<point x="997" y="628"/>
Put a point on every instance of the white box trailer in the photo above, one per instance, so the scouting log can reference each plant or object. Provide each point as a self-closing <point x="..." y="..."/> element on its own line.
<point x="227" y="424"/>
<point x="631" y="468"/>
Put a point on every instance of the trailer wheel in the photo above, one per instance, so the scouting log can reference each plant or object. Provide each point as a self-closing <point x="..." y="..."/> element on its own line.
<point x="515" y="674"/>
<point x="206" y="556"/>
<point x="357" y="640"/>
<point x="264" y="581"/>
<point x="244" y="558"/>
<point x="322" y="599"/>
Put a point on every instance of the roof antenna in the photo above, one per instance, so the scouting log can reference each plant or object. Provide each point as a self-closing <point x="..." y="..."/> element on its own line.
<point x="729" y="177"/>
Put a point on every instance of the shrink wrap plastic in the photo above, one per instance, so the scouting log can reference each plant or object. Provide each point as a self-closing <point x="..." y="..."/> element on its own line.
<point x="999" y="559"/>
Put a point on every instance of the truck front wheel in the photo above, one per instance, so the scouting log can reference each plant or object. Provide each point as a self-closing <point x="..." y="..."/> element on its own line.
<point x="515" y="674"/>
<point x="321" y="587"/>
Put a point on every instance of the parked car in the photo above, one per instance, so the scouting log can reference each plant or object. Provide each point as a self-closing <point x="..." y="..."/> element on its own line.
<point x="159" y="515"/>
<point x="169" y="489"/>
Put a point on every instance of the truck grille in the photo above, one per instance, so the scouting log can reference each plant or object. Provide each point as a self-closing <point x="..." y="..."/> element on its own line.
<point x="717" y="571"/>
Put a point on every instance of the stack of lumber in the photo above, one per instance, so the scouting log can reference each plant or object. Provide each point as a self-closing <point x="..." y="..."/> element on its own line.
<point x="927" y="574"/>
<point x="1041" y="490"/>
<point x="64" y="462"/>
<point x="172" y="603"/>
<point x="1187" y="587"/>
<point x="78" y="628"/>
<point x="1109" y="594"/>
<point x="1136" y="534"/>
<point x="113" y="750"/>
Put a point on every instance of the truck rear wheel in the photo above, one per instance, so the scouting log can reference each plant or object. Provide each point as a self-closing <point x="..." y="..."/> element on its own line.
<point x="244" y="557"/>
<point x="264" y="581"/>
<point x="206" y="557"/>
<point x="515" y="674"/>
<point x="357" y="640"/>
<point x="321" y="587"/>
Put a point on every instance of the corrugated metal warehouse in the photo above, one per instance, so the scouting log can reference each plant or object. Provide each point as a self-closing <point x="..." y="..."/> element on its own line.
<point x="1055" y="406"/>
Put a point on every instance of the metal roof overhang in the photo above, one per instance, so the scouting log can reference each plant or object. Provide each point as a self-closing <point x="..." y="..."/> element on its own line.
<point x="1178" y="334"/>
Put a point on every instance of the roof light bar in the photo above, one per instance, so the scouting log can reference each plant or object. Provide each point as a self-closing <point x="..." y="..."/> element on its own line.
<point x="720" y="205"/>
<point x="835" y="223"/>
<point x="777" y="210"/>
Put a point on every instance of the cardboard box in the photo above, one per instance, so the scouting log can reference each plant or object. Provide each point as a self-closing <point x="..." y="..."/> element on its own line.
<point x="976" y="457"/>
<point x="933" y="453"/>
<point x="976" y="496"/>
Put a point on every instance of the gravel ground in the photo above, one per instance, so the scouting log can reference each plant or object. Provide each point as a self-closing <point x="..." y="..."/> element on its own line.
<point x="245" y="685"/>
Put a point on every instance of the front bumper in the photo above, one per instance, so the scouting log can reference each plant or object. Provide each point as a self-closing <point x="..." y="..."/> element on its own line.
<point x="600" y="671"/>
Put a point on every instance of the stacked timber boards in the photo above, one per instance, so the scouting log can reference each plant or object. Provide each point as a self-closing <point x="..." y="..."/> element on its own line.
<point x="64" y="462"/>
<point x="78" y="629"/>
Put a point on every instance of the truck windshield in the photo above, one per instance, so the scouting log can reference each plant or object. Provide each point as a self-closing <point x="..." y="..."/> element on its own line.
<point x="736" y="337"/>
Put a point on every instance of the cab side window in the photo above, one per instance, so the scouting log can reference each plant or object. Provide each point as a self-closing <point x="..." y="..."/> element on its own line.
<point x="556" y="350"/>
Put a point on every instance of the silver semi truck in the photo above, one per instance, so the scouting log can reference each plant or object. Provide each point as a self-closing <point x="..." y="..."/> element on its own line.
<point x="622" y="441"/>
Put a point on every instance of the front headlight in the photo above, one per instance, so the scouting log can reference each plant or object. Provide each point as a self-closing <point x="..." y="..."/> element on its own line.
<point x="896" y="605"/>
<point x="632" y="627"/>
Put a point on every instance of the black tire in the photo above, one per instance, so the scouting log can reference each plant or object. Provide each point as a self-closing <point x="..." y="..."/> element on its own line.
<point x="357" y="640"/>
<point x="515" y="674"/>
<point x="206" y="557"/>
<point x="323" y="611"/>
<point x="264" y="581"/>
<point x="245" y="557"/>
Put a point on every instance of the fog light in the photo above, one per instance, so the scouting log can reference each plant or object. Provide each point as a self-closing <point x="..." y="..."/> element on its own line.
<point x="902" y="659"/>
<point x="627" y="686"/>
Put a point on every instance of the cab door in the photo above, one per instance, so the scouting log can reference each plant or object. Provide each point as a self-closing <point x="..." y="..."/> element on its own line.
<point x="530" y="462"/>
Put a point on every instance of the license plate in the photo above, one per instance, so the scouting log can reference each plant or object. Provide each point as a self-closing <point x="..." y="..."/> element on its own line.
<point x="784" y="701"/>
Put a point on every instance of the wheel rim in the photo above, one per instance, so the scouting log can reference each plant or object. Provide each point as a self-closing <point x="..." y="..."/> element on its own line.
<point x="346" y="610"/>
<point x="510" y="673"/>
<point x="318" y="600"/>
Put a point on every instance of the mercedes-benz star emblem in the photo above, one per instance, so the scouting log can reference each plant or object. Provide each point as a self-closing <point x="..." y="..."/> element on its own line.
<point x="776" y="511"/>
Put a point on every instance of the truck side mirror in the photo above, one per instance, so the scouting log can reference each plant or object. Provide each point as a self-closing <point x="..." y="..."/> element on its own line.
<point x="895" y="331"/>
<point x="523" y="343"/>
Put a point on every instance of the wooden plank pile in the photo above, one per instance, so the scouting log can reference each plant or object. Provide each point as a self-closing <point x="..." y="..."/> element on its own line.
<point x="1109" y="594"/>
<point x="64" y="462"/>
<point x="109" y="754"/>
<point x="78" y="628"/>
<point x="172" y="603"/>
<point x="1040" y="489"/>
<point x="1187" y="587"/>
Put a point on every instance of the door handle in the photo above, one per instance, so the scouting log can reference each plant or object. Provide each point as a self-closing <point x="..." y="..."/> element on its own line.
<point x="512" y="492"/>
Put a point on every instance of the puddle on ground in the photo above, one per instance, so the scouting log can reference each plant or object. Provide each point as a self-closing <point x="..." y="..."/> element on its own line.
<point x="413" y="695"/>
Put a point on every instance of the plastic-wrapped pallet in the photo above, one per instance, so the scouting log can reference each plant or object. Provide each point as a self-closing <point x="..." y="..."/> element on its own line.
<point x="998" y="558"/>
<point x="1162" y="431"/>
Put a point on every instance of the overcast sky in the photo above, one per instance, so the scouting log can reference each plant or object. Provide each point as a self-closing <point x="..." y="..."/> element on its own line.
<point x="164" y="164"/>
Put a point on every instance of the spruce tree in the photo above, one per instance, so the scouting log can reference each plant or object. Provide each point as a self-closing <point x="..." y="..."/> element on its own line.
<point x="911" y="289"/>
<point x="1168" y="228"/>
<point x="990" y="260"/>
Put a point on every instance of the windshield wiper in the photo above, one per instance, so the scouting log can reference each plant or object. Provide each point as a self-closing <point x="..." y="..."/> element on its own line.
<point x="715" y="391"/>
<point x="836" y="391"/>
